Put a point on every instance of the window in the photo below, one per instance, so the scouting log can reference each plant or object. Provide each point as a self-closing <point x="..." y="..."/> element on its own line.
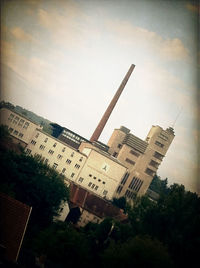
<point x="11" y="116"/>
<point x="72" y="154"/>
<point x="130" y="161"/>
<point x="50" y="151"/>
<point x="94" y="178"/>
<point x="81" y="159"/>
<point x="125" y="178"/>
<point x="159" y="144"/>
<point x="90" y="175"/>
<point x="26" y="125"/>
<point x="99" y="180"/>
<point x="72" y="175"/>
<point x="68" y="161"/>
<point x="37" y="135"/>
<point x="115" y="154"/>
<point x="46" y="140"/>
<point x="59" y="156"/>
<point x="16" y="120"/>
<point x="162" y="136"/>
<point x="92" y="186"/>
<point x="55" y="166"/>
<point x="119" y="146"/>
<point x="21" y="135"/>
<point x="149" y="172"/>
<point x="54" y="144"/>
<point x="33" y="142"/>
<point x="80" y="179"/>
<point x="42" y="147"/>
<point x="21" y="122"/>
<point x="77" y="166"/>
<point x="130" y="194"/>
<point x="158" y="155"/>
<point x="46" y="161"/>
<point x="10" y="130"/>
<point x="135" y="184"/>
<point x="154" y="164"/>
<point x="134" y="153"/>
<point x="15" y="132"/>
<point x="104" y="182"/>
<point x="89" y="184"/>
<point x="63" y="149"/>
<point x="105" y="192"/>
<point x="119" y="189"/>
<point x="28" y="151"/>
<point x="96" y="188"/>
<point x="63" y="170"/>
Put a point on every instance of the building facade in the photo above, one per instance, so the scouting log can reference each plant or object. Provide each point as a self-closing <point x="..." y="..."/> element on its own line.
<point x="123" y="167"/>
<point x="141" y="157"/>
<point x="21" y="129"/>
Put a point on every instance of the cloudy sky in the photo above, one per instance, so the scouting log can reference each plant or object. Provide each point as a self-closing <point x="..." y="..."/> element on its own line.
<point x="64" y="60"/>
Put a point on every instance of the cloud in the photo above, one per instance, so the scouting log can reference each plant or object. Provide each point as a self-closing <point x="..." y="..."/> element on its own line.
<point x="20" y="34"/>
<point x="170" y="49"/>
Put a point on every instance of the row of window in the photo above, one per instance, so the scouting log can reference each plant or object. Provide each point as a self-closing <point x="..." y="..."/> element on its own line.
<point x="150" y="172"/>
<point x="154" y="164"/>
<point x="135" y="184"/>
<point x="92" y="185"/>
<point x="161" y="145"/>
<point x="42" y="147"/>
<point x="15" y="132"/>
<point x="162" y="136"/>
<point x="134" y="153"/>
<point x="158" y="155"/>
<point x="130" y="161"/>
<point x="130" y="194"/>
<point x="99" y="180"/>
<point x="16" y="120"/>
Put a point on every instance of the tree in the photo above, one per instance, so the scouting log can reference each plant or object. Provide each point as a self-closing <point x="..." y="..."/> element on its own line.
<point x="140" y="251"/>
<point x="159" y="186"/>
<point x="63" y="245"/>
<point x="174" y="220"/>
<point x="120" y="202"/>
<point x="35" y="184"/>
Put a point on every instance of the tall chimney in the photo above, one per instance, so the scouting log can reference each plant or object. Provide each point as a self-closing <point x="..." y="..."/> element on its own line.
<point x="111" y="106"/>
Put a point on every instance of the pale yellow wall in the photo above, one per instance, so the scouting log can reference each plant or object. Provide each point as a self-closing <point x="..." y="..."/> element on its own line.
<point x="71" y="154"/>
<point x="142" y="163"/>
<point x="101" y="173"/>
<point x="23" y="134"/>
<point x="116" y="138"/>
<point x="125" y="154"/>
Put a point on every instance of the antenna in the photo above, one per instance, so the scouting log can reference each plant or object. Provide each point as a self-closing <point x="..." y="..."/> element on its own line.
<point x="177" y="117"/>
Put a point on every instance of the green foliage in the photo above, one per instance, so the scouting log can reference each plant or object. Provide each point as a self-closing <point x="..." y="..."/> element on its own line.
<point x="137" y="252"/>
<point x="33" y="183"/>
<point x="64" y="245"/>
<point x="159" y="186"/>
<point x="4" y="104"/>
<point x="174" y="220"/>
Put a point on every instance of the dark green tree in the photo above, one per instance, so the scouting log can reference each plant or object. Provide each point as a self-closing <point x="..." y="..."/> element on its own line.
<point x="33" y="183"/>
<point x="137" y="252"/>
<point x="63" y="245"/>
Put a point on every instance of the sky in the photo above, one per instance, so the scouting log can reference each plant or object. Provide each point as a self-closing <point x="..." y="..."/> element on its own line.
<point x="64" y="60"/>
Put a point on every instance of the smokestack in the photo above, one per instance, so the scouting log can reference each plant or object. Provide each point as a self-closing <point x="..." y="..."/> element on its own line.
<point x="111" y="106"/>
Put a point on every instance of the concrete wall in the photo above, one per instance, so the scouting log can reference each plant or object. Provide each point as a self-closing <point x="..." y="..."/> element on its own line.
<point x="63" y="158"/>
<point x="101" y="174"/>
<point x="19" y="127"/>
